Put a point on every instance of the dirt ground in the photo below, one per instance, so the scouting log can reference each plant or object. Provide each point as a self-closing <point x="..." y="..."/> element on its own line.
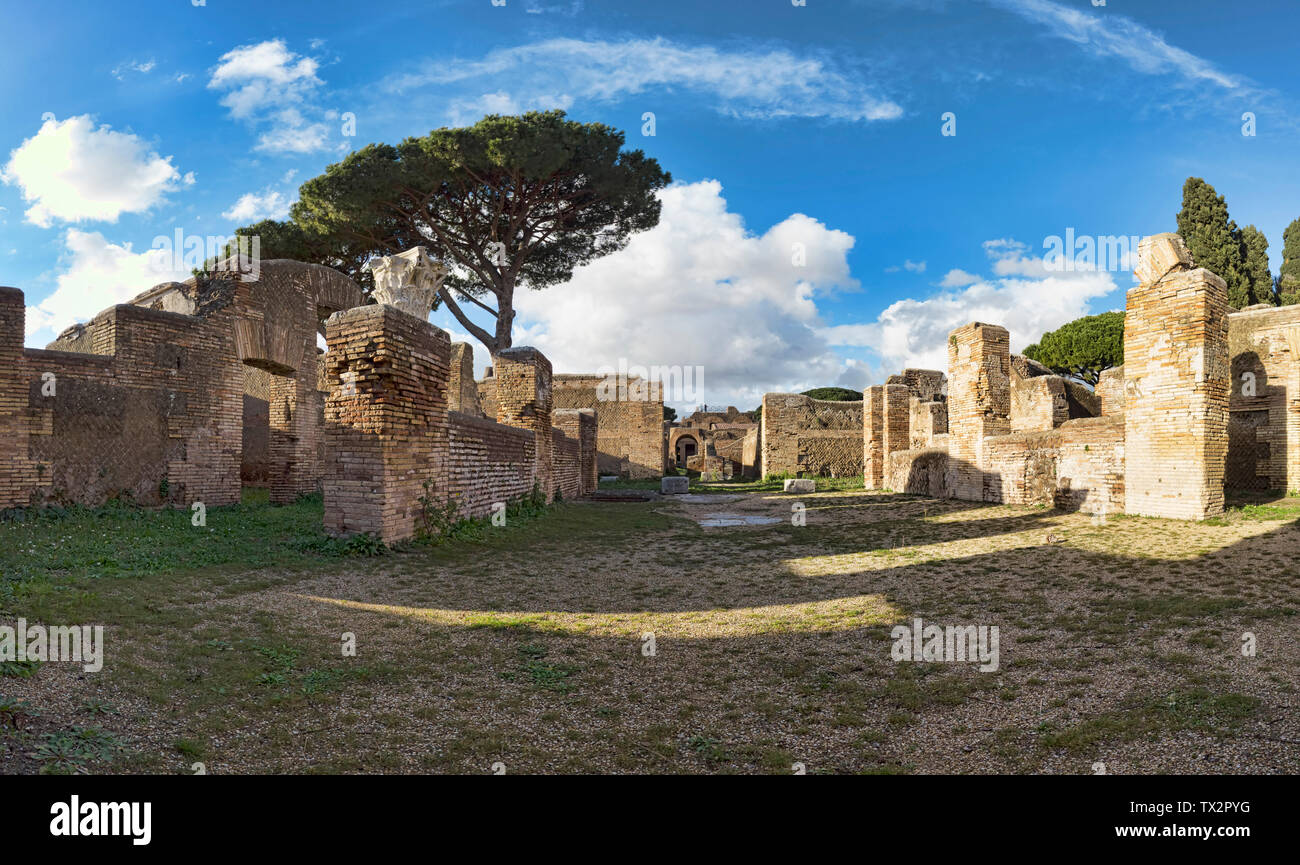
<point x="627" y="637"/>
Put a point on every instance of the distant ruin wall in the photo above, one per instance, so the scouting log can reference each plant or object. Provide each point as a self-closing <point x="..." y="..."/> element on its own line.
<point x="802" y="435"/>
<point x="630" y="422"/>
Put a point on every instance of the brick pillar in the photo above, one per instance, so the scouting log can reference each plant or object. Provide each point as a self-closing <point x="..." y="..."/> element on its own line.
<point x="1176" y="385"/>
<point x="873" y="437"/>
<point x="523" y="377"/>
<point x="386" y="428"/>
<point x="979" y="405"/>
<point x="580" y="424"/>
<point x="896" y="423"/>
<point x="17" y="473"/>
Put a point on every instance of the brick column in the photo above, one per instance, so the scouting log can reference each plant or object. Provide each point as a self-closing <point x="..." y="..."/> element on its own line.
<point x="17" y="474"/>
<point x="897" y="418"/>
<point x="523" y="377"/>
<point x="979" y="405"/>
<point x="385" y="420"/>
<point x="873" y="437"/>
<point x="1176" y="385"/>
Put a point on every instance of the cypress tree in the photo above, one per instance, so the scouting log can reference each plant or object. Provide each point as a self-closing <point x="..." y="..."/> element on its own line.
<point x="1255" y="249"/>
<point x="1288" y="281"/>
<point x="1213" y="239"/>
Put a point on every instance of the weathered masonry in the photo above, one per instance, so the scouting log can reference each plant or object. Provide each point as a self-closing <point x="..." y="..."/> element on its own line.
<point x="800" y="435"/>
<point x="146" y="401"/>
<point x="392" y="438"/>
<point x="1204" y="394"/>
<point x="630" y="419"/>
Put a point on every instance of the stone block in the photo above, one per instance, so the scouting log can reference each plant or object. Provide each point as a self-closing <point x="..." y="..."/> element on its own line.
<point x="675" y="485"/>
<point x="800" y="485"/>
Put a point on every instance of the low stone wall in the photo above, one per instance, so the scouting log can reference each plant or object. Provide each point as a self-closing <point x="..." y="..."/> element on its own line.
<point x="921" y="471"/>
<point x="1076" y="466"/>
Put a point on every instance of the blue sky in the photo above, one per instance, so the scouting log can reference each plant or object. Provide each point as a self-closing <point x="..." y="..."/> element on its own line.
<point x="818" y="125"/>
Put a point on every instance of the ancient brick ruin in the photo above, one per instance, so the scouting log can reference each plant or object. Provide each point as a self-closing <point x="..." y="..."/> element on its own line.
<point x="805" y="436"/>
<point x="630" y="418"/>
<point x="146" y="401"/>
<point x="719" y="444"/>
<point x="195" y="388"/>
<point x="393" y="438"/>
<point x="1205" y="400"/>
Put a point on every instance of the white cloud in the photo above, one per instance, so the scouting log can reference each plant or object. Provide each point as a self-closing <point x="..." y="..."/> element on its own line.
<point x="956" y="278"/>
<point x="271" y="87"/>
<point x="1024" y="298"/>
<point x="761" y="84"/>
<point x="143" y="67"/>
<point x="700" y="289"/>
<point x="252" y="207"/>
<point x="96" y="275"/>
<point x="1114" y="35"/>
<point x="72" y="171"/>
<point x="908" y="265"/>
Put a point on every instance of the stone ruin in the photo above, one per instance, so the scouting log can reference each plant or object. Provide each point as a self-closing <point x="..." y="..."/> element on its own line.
<point x="152" y="401"/>
<point x="630" y="419"/>
<point x="157" y="400"/>
<point x="800" y="435"/>
<point x="146" y="401"/>
<point x="1205" y="399"/>
<point x="719" y="444"/>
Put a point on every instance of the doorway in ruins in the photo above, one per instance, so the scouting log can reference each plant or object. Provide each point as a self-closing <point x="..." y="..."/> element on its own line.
<point x="687" y="447"/>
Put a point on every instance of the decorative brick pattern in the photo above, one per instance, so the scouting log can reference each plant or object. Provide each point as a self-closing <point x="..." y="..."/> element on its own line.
<point x="801" y="435"/>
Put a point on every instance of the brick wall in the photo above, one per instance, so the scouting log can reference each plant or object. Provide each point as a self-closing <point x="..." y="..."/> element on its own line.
<point x="928" y="421"/>
<point x="462" y="392"/>
<point x="873" y="437"/>
<point x="630" y="422"/>
<point x="1110" y="391"/>
<point x="488" y="463"/>
<point x="1038" y="403"/>
<point x="155" y="414"/>
<point x="581" y="426"/>
<point x="1264" y="405"/>
<point x="386" y="420"/>
<point x="809" y="436"/>
<point x="523" y="377"/>
<point x="1076" y="466"/>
